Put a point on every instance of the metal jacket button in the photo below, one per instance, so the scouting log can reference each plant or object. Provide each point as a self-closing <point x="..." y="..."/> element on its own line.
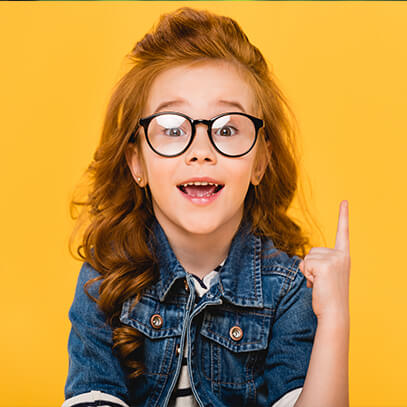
<point x="236" y="333"/>
<point x="186" y="285"/>
<point x="156" y="321"/>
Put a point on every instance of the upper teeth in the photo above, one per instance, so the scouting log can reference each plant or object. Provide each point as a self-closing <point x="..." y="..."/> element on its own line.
<point x="200" y="183"/>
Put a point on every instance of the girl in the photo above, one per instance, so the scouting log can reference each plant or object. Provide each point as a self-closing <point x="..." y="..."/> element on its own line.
<point x="193" y="291"/>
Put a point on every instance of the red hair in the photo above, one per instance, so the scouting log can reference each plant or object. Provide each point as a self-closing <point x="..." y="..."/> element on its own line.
<point x="117" y="213"/>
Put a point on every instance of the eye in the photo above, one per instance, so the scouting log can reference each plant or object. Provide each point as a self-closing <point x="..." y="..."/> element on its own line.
<point x="174" y="132"/>
<point x="226" y="131"/>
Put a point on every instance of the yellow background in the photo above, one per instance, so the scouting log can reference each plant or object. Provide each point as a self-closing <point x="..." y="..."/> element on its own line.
<point x="343" y="67"/>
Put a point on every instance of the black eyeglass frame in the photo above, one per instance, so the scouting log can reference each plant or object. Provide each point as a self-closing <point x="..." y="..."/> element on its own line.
<point x="144" y="122"/>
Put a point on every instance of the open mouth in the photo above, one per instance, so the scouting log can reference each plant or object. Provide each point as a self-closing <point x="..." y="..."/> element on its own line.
<point x="200" y="189"/>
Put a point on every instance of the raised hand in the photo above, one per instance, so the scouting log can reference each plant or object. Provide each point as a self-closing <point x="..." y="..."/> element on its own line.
<point x="328" y="270"/>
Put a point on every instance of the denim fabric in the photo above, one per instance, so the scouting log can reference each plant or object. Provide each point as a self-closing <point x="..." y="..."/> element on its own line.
<point x="260" y="290"/>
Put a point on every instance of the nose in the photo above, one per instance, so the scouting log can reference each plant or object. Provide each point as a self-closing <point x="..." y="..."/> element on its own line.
<point x="201" y="149"/>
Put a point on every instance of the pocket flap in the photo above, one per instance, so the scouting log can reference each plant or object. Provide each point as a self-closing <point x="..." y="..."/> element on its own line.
<point x="251" y="329"/>
<point x="140" y="317"/>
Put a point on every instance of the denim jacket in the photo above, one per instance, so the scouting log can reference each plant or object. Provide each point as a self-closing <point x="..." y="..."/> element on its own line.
<point x="249" y="337"/>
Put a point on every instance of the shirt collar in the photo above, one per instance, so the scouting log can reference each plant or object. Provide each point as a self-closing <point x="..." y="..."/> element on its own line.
<point x="240" y="278"/>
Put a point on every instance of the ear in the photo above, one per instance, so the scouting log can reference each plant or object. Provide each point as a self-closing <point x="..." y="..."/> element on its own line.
<point x="135" y="163"/>
<point x="260" y="165"/>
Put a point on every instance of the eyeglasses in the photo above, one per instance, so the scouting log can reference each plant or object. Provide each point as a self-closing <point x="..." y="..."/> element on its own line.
<point x="169" y="134"/>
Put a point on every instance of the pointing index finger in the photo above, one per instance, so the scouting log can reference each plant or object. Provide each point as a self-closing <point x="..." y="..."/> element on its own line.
<point x="342" y="233"/>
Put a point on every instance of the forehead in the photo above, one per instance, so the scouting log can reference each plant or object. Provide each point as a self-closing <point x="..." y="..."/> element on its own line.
<point x="200" y="89"/>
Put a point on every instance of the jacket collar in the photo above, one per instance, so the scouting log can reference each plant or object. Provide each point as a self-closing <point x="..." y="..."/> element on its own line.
<point x="240" y="278"/>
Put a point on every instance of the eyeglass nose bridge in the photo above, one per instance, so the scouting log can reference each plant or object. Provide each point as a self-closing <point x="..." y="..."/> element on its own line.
<point x="208" y="123"/>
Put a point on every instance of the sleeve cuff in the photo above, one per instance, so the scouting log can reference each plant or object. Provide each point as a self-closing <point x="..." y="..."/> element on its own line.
<point x="289" y="399"/>
<point x="94" y="398"/>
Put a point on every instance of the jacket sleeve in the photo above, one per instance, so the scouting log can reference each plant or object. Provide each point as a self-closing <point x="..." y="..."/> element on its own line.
<point x="92" y="363"/>
<point x="292" y="337"/>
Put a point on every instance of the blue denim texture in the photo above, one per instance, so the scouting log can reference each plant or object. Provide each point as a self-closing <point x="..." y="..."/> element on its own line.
<point x="260" y="289"/>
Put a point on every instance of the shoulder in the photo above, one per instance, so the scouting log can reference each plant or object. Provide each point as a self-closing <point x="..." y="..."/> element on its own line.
<point x="82" y="302"/>
<point x="280" y="272"/>
<point x="275" y="261"/>
<point x="88" y="273"/>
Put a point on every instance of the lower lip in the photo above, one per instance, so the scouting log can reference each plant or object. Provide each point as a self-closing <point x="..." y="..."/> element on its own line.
<point x="203" y="200"/>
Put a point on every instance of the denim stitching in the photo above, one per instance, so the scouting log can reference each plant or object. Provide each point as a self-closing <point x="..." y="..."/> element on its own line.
<point x="163" y="385"/>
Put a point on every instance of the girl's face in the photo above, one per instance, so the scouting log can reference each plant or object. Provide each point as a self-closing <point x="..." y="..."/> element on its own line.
<point x="201" y="92"/>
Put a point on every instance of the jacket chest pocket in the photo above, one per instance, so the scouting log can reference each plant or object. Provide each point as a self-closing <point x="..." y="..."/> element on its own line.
<point x="234" y="342"/>
<point x="161" y="325"/>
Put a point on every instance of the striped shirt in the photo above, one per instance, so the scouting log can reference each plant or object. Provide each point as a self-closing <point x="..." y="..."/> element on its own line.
<point x="182" y="395"/>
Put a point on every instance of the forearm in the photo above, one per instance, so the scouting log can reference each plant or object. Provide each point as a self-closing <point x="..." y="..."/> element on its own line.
<point x="326" y="383"/>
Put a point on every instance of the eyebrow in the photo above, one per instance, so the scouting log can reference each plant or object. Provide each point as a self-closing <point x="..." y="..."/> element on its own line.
<point x="176" y="102"/>
<point x="169" y="103"/>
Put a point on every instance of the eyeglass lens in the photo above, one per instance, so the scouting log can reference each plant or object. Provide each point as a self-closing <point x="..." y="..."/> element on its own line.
<point x="233" y="134"/>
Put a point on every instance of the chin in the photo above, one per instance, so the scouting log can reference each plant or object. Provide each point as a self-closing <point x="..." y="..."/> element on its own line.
<point x="201" y="226"/>
<point x="200" y="229"/>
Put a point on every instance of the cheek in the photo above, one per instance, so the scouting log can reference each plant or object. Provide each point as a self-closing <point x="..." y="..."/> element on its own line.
<point x="160" y="175"/>
<point x="239" y="176"/>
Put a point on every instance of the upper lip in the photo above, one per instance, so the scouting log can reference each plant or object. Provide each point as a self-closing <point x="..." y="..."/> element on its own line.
<point x="201" y="179"/>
